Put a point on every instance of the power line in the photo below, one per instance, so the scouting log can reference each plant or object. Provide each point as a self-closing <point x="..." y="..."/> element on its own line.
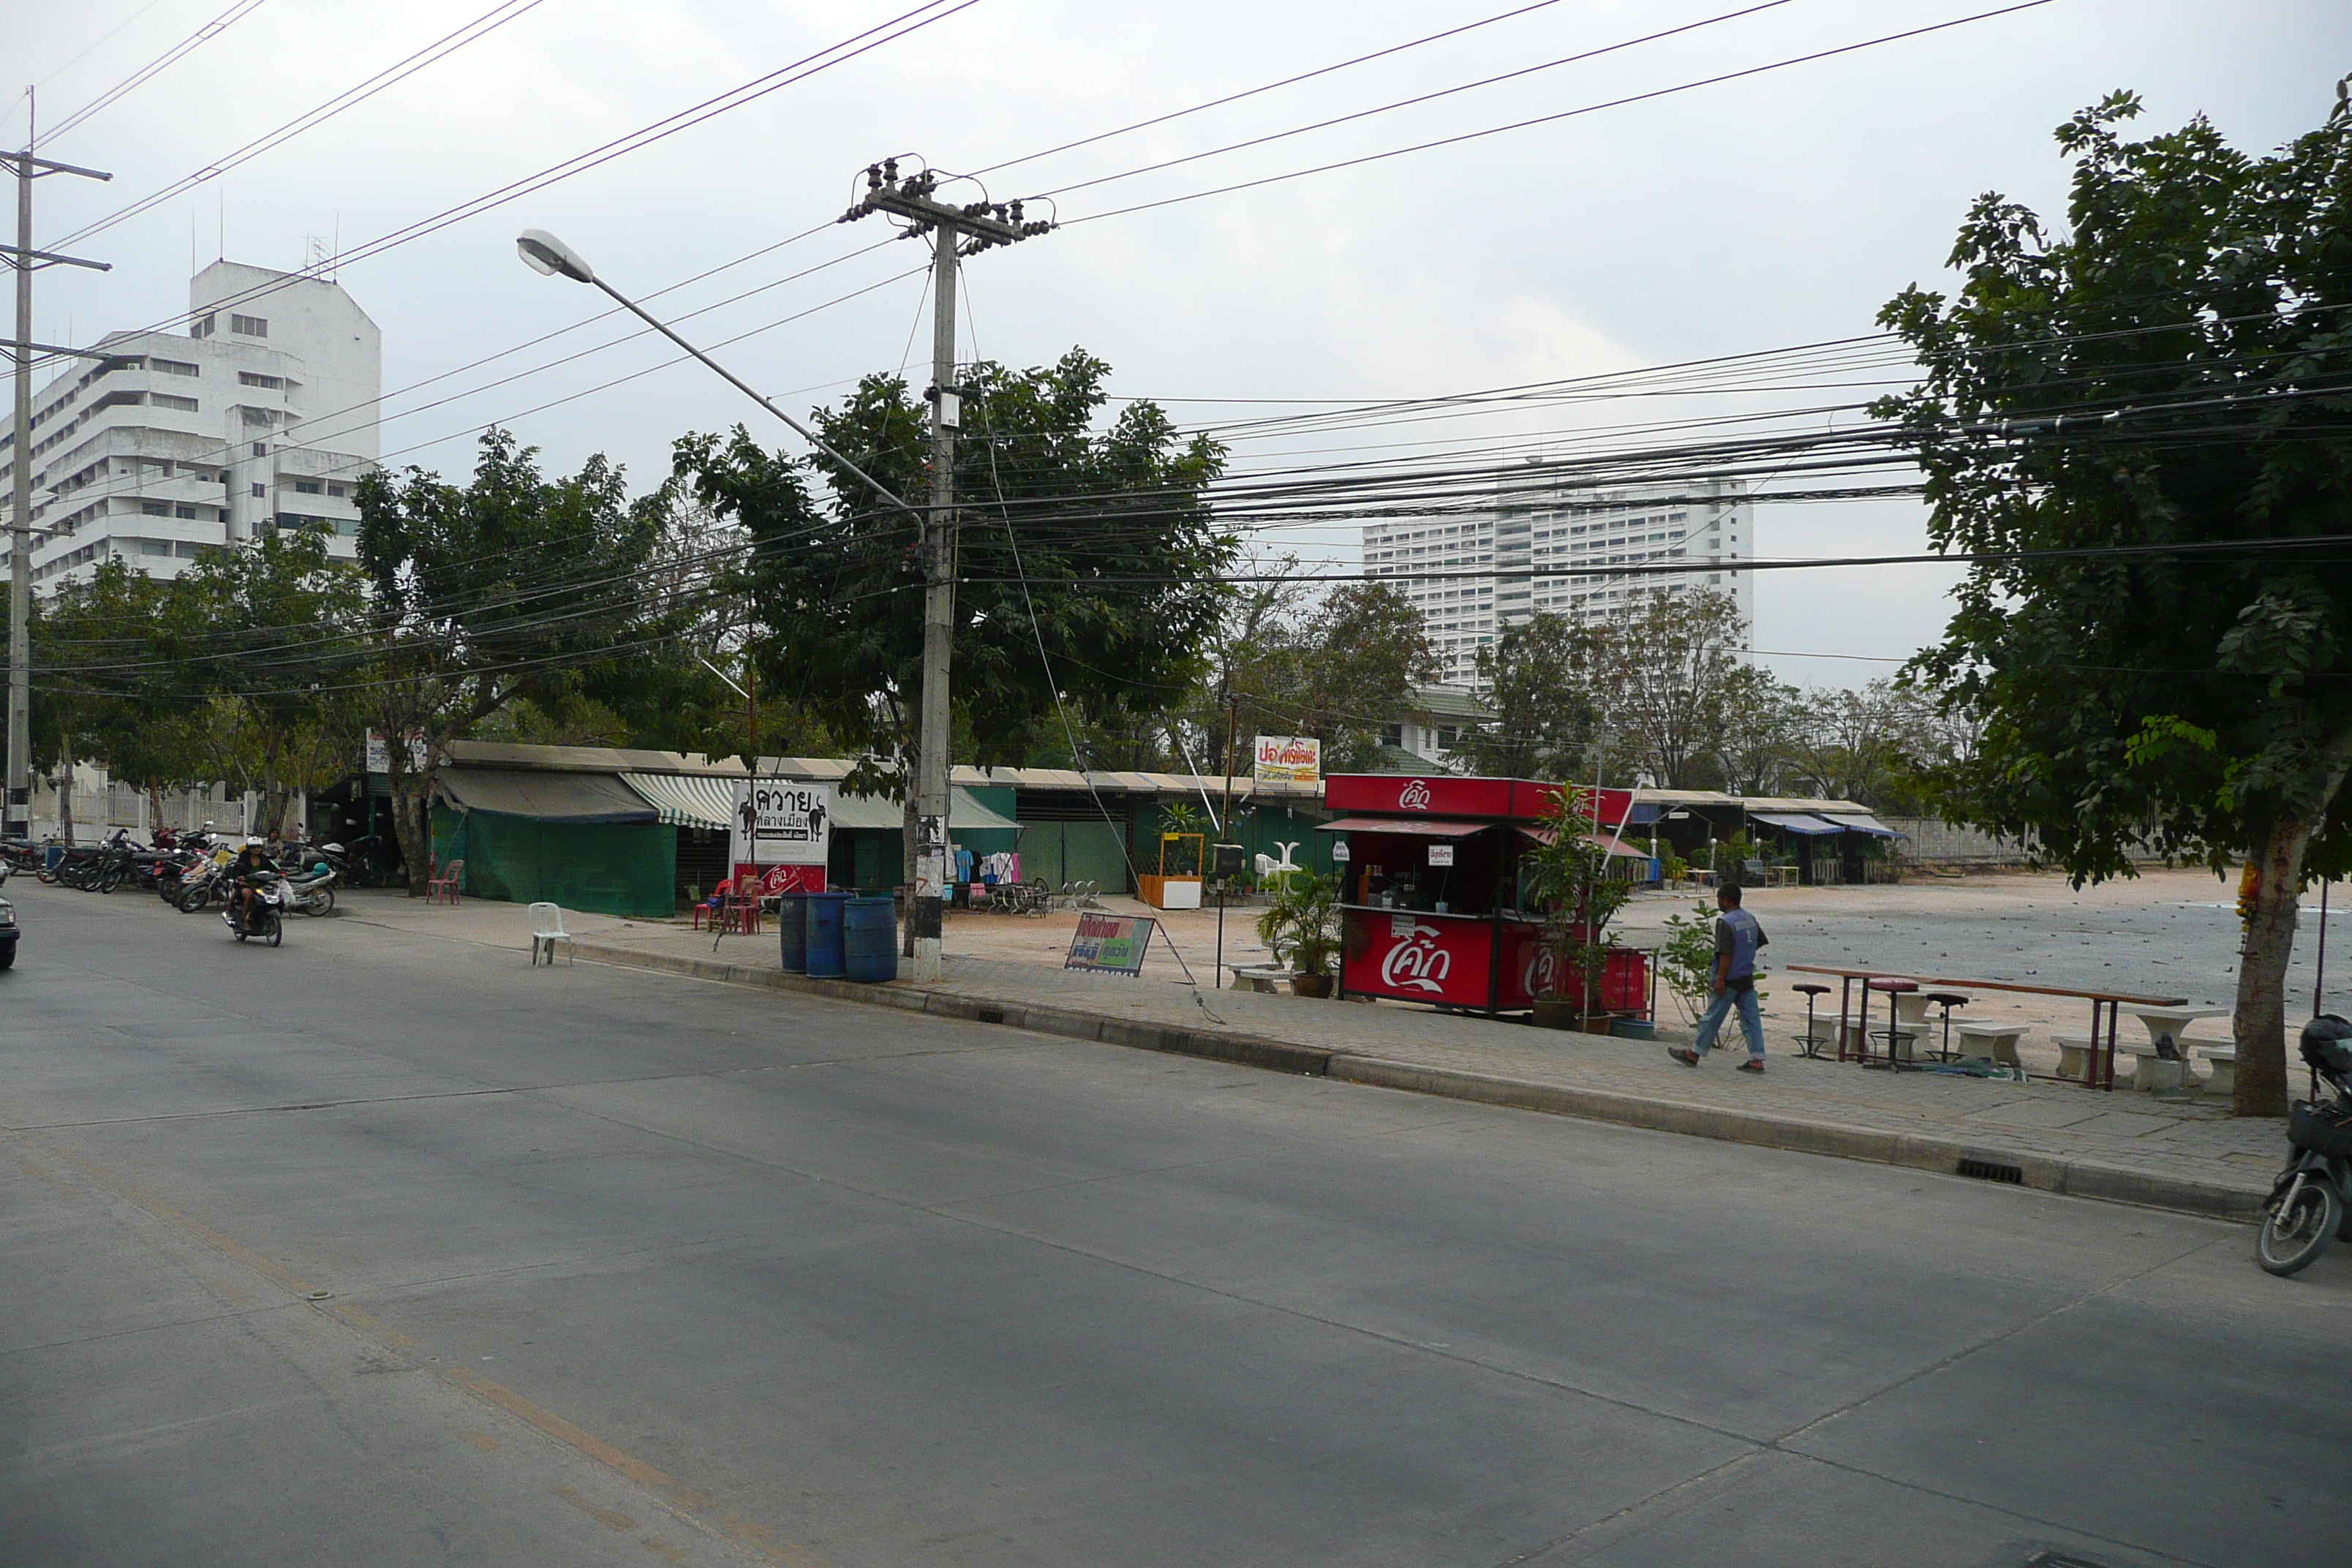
<point x="210" y="30"/>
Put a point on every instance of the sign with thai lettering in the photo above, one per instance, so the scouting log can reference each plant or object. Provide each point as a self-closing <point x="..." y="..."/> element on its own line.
<point x="782" y="822"/>
<point x="1441" y="854"/>
<point x="1110" y="945"/>
<point x="1288" y="760"/>
<point x="1417" y="958"/>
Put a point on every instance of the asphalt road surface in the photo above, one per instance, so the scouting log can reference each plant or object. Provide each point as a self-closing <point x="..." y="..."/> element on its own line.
<point x="382" y="1249"/>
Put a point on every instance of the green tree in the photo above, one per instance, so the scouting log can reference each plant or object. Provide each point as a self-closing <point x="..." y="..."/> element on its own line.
<point x="1543" y="680"/>
<point x="479" y="593"/>
<point x="1676" y="678"/>
<point x="1090" y="567"/>
<point x="2169" y="372"/>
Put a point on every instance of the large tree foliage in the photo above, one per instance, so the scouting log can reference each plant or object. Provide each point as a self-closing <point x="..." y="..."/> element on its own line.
<point x="1089" y="568"/>
<point x="229" y="672"/>
<point x="1545" y="680"/>
<point x="505" y="587"/>
<point x="2169" y="371"/>
<point x="1676" y="680"/>
<point x="1339" y="665"/>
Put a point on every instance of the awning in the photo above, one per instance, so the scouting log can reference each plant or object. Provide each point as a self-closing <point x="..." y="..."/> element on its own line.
<point x="965" y="813"/>
<point x="1615" y="846"/>
<point x="1862" y="822"/>
<point x="680" y="801"/>
<point x="1791" y="822"/>
<point x="553" y="797"/>
<point x="1411" y="826"/>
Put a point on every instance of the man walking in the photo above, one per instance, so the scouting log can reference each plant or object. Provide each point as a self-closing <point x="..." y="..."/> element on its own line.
<point x="1736" y="938"/>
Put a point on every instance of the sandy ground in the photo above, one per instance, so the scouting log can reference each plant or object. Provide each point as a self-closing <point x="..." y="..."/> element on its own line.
<point x="2165" y="933"/>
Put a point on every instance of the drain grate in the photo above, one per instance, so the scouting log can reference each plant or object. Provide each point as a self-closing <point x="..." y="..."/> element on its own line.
<point x="989" y="1014"/>
<point x="1987" y="1170"/>
<point x="2060" y="1560"/>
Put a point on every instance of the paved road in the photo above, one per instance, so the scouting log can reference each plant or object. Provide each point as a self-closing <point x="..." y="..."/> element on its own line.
<point x="610" y="1264"/>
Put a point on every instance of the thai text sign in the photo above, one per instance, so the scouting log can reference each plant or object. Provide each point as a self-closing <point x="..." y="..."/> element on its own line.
<point x="1417" y="958"/>
<point x="1110" y="945"/>
<point x="1288" y="760"/>
<point x="782" y="822"/>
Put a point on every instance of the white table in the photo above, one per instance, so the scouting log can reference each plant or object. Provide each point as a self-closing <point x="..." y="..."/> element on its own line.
<point x="2166" y="1025"/>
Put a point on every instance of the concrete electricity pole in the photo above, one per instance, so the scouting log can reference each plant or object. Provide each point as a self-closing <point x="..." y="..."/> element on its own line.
<point x="956" y="232"/>
<point x="18" y="821"/>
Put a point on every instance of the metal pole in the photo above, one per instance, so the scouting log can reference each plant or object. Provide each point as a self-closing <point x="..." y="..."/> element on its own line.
<point x="938" y="620"/>
<point x="2319" y="975"/>
<point x="19" y="821"/>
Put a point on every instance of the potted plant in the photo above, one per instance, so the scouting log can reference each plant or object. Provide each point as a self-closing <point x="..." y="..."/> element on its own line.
<point x="1301" y="929"/>
<point x="1686" y="960"/>
<point x="1565" y="879"/>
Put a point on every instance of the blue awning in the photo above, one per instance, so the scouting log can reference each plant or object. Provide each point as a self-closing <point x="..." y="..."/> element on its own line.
<point x="1792" y="822"/>
<point x="1862" y="822"/>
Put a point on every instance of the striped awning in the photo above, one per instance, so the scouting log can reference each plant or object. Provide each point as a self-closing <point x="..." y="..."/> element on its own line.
<point x="680" y="800"/>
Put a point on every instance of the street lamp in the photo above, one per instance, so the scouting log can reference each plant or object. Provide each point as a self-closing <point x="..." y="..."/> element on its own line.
<point x="542" y="252"/>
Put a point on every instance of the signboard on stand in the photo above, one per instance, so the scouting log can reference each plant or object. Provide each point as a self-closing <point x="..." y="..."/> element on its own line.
<point x="782" y="833"/>
<point x="1291" y="759"/>
<point x="1110" y="945"/>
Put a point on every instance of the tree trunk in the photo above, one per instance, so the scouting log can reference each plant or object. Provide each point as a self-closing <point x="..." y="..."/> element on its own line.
<point x="410" y="796"/>
<point x="65" y="803"/>
<point x="2258" y="1023"/>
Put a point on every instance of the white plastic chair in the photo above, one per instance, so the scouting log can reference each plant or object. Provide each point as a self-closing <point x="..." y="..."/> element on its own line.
<point x="546" y="930"/>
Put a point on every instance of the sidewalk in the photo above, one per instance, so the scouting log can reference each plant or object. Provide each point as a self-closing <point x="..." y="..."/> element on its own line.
<point x="2058" y="1137"/>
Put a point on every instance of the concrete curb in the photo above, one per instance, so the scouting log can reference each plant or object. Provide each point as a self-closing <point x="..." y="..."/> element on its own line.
<point x="1919" y="1151"/>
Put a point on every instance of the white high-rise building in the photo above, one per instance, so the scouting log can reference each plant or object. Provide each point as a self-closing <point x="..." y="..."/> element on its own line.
<point x="1473" y="576"/>
<point x="262" y="418"/>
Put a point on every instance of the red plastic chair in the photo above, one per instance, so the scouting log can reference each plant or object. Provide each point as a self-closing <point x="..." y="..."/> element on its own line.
<point x="714" y="904"/>
<point x="443" y="889"/>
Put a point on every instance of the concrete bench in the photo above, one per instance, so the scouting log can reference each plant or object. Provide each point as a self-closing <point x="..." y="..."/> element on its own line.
<point x="2152" y="1072"/>
<point x="2075" y="1053"/>
<point x="2221" y="1055"/>
<point x="1997" y="1041"/>
<point x="1266" y="977"/>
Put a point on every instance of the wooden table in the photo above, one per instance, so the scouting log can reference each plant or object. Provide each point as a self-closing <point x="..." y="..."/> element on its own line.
<point x="2107" y="1008"/>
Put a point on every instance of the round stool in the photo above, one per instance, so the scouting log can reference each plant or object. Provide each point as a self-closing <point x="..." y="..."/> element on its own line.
<point x="1810" y="1044"/>
<point x="1946" y="1000"/>
<point x="1893" y="988"/>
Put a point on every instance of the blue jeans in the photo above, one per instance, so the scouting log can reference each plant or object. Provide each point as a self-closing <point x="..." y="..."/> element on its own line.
<point x="1752" y="1021"/>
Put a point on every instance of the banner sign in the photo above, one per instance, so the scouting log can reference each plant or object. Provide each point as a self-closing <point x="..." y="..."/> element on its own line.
<point x="1110" y="945"/>
<point x="1417" y="959"/>
<point x="378" y="758"/>
<point x="782" y="833"/>
<point x="1288" y="760"/>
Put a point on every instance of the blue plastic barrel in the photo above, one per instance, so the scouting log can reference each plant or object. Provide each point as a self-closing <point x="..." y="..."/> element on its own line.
<point x="869" y="939"/>
<point x="792" y="922"/>
<point x="825" y="952"/>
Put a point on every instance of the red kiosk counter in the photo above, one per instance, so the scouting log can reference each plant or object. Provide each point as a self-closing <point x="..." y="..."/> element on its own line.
<point x="1429" y="893"/>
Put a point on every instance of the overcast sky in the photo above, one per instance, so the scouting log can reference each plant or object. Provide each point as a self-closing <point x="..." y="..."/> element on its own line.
<point x="1777" y="210"/>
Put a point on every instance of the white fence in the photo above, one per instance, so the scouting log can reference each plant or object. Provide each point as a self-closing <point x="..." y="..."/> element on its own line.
<point x="99" y="812"/>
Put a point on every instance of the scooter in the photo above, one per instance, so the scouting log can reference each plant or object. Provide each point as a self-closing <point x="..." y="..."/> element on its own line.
<point x="2305" y="1210"/>
<point x="312" y="893"/>
<point x="261" y="920"/>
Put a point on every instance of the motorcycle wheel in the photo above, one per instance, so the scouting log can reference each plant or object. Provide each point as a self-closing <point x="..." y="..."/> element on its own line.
<point x="321" y="902"/>
<point x="109" y="880"/>
<point x="273" y="930"/>
<point x="45" y="874"/>
<point x="2299" y="1230"/>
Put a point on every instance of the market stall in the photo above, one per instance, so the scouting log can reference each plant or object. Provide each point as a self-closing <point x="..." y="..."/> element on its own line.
<point x="1429" y="893"/>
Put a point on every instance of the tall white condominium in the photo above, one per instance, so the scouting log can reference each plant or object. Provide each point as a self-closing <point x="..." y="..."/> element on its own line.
<point x="1473" y="576"/>
<point x="263" y="417"/>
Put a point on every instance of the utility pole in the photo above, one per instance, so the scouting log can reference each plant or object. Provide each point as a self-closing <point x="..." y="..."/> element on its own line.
<point x="956" y="232"/>
<point x="18" y="821"/>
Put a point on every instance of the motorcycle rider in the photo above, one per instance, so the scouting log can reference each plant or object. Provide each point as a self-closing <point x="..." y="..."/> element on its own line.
<point x="244" y="873"/>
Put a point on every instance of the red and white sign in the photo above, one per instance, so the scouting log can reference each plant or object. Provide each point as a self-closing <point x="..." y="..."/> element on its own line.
<point x="1450" y="794"/>
<point x="1416" y="957"/>
<point x="774" y="880"/>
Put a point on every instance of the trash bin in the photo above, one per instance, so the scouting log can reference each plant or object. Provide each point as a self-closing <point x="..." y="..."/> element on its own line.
<point x="791" y="926"/>
<point x="824" y="949"/>
<point x="869" y="936"/>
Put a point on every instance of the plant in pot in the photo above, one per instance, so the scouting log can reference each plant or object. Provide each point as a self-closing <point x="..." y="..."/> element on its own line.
<point x="1301" y="929"/>
<point x="1565" y="879"/>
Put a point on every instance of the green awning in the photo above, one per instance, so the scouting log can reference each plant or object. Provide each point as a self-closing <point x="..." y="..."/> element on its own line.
<point x="682" y="801"/>
<point x="880" y="811"/>
<point x="550" y="797"/>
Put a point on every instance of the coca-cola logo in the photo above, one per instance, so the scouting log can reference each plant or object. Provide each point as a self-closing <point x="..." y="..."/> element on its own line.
<point x="1414" y="796"/>
<point x="1542" y="970"/>
<point x="1417" y="961"/>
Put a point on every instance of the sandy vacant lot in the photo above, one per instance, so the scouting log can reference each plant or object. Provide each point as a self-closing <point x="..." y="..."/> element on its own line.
<point x="2166" y="932"/>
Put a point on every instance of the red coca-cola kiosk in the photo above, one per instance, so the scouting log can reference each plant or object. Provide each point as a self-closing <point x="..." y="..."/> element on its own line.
<point x="1430" y="908"/>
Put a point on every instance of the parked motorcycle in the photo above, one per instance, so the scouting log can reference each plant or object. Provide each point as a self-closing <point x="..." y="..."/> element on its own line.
<point x="312" y="893"/>
<point x="2305" y="1209"/>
